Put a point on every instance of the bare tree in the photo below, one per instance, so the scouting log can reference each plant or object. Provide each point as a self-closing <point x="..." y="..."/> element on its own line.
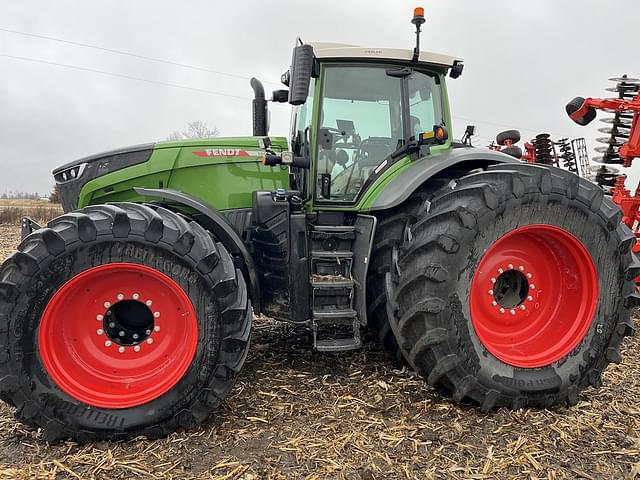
<point x="195" y="129"/>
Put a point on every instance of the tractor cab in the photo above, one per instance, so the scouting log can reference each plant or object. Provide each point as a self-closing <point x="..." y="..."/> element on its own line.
<point x="357" y="112"/>
<point x="365" y="112"/>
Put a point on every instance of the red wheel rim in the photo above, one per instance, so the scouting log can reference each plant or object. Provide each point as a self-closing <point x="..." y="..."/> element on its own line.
<point x="79" y="335"/>
<point x="533" y="296"/>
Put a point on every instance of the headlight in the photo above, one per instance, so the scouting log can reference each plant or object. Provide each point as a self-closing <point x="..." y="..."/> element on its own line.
<point x="71" y="173"/>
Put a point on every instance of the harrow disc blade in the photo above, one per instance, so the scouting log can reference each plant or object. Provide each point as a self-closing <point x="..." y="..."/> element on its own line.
<point x="625" y="79"/>
<point x="623" y="88"/>
<point x="610" y="141"/>
<point x="610" y="150"/>
<point x="607" y="169"/>
<point x="616" y="130"/>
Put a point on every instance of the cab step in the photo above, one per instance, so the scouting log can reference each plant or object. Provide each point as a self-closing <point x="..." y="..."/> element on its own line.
<point x="336" y="331"/>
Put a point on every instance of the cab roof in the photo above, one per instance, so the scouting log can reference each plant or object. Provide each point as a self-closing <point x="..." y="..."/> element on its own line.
<point x="343" y="50"/>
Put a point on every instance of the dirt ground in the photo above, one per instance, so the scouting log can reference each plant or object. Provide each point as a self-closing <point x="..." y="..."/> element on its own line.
<point x="300" y="414"/>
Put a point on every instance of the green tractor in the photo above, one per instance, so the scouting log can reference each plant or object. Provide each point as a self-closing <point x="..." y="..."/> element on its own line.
<point x="502" y="283"/>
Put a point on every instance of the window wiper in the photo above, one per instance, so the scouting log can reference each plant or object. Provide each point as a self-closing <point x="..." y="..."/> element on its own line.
<point x="399" y="72"/>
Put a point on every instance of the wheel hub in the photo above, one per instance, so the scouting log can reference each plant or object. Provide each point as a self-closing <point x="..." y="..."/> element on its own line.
<point x="511" y="289"/>
<point x="128" y="322"/>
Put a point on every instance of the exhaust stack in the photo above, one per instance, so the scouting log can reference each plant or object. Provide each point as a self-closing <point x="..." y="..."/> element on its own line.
<point x="260" y="127"/>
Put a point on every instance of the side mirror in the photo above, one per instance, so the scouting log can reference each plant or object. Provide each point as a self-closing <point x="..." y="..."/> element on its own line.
<point x="300" y="74"/>
<point x="456" y="69"/>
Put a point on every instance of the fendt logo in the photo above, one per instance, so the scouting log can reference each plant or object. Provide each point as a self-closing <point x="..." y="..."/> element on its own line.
<point x="222" y="152"/>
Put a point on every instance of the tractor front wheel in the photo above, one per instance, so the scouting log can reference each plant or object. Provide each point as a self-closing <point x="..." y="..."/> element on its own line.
<point x="514" y="288"/>
<point x="120" y="320"/>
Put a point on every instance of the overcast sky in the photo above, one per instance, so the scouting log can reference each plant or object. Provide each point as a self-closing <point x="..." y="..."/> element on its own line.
<point x="523" y="61"/>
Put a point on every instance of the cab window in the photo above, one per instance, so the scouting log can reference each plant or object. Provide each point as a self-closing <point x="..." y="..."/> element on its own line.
<point x="425" y="103"/>
<point x="360" y="125"/>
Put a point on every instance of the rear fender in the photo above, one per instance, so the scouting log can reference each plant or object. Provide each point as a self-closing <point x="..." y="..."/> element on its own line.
<point x="416" y="174"/>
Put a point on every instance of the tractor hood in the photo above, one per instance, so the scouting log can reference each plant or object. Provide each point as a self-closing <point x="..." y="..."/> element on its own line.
<point x="149" y="165"/>
<point x="72" y="176"/>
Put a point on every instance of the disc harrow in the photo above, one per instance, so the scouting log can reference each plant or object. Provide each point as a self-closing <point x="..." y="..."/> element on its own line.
<point x="622" y="145"/>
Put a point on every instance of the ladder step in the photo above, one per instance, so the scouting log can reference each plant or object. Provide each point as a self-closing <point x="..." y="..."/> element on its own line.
<point x="337" y="283"/>
<point x="333" y="228"/>
<point x="335" y="315"/>
<point x="334" y="254"/>
<point x="338" y="345"/>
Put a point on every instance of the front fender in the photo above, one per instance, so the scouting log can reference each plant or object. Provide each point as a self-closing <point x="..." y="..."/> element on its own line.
<point x="216" y="223"/>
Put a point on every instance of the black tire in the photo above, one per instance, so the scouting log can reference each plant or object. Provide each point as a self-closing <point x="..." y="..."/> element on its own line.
<point x="514" y="151"/>
<point x="125" y="232"/>
<point x="574" y="105"/>
<point x="393" y="225"/>
<point x="429" y="308"/>
<point x="502" y="137"/>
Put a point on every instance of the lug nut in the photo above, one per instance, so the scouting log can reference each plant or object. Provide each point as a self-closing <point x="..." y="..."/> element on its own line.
<point x="156" y="314"/>
<point x="493" y="280"/>
<point x="494" y="303"/>
<point x="111" y="324"/>
<point x="501" y="310"/>
<point x="136" y="296"/>
<point x="121" y="349"/>
<point x="135" y="336"/>
<point x="522" y="307"/>
<point x="512" y="311"/>
<point x="107" y="343"/>
<point x="148" y="303"/>
<point x="136" y="348"/>
<point x="107" y="304"/>
<point x="99" y="317"/>
<point x="149" y="341"/>
<point x="532" y="286"/>
<point x="529" y="275"/>
<point x="530" y="298"/>
<point x="120" y="296"/>
<point x="490" y="292"/>
<point x="521" y="268"/>
<point x="121" y="333"/>
<point x="500" y="270"/>
<point x="156" y="328"/>
<point x="99" y="331"/>
<point x="148" y="332"/>
<point x="510" y="266"/>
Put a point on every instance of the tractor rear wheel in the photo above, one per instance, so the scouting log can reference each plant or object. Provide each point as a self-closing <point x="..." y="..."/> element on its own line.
<point x="529" y="297"/>
<point x="120" y="320"/>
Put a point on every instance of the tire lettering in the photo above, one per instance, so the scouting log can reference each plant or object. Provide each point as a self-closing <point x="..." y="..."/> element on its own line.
<point x="529" y="385"/>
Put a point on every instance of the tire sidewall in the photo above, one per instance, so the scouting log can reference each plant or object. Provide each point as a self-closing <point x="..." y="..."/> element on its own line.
<point x="593" y="234"/>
